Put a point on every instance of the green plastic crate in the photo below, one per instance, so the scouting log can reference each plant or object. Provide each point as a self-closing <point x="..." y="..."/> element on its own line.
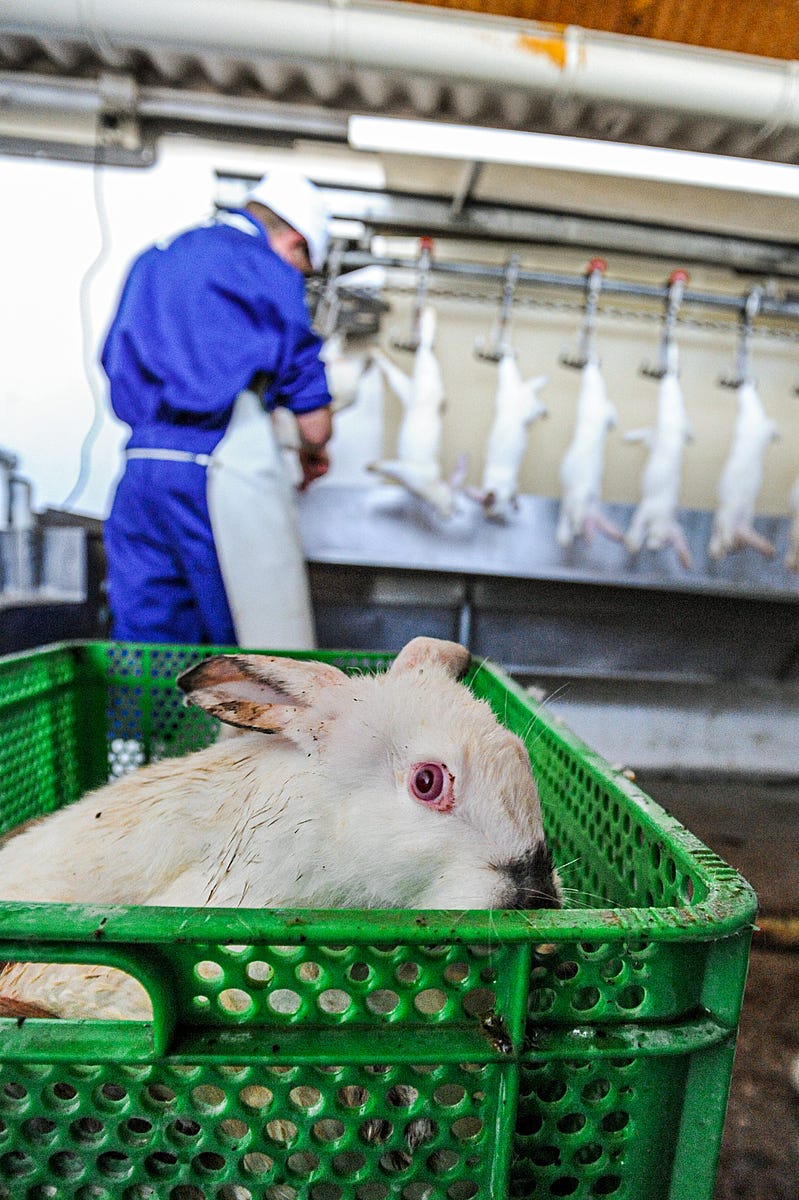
<point x="335" y="1055"/>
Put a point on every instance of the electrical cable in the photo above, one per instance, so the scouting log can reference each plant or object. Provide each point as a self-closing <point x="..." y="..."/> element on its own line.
<point x="87" y="333"/>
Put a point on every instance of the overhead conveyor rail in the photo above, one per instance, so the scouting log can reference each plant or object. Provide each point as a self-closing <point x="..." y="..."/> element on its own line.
<point x="733" y="305"/>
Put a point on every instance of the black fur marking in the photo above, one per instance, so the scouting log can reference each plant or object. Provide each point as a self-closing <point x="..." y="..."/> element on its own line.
<point x="531" y="880"/>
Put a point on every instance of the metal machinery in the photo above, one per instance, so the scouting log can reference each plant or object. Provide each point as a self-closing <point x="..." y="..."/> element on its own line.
<point x="51" y="569"/>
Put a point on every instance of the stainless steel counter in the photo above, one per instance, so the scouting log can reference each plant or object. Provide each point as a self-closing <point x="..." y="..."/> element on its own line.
<point x="384" y="568"/>
<point x="383" y="526"/>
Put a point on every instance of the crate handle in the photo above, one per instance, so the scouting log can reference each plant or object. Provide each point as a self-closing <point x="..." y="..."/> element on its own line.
<point x="152" y="970"/>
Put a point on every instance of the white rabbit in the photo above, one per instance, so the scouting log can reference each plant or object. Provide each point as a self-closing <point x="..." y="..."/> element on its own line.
<point x="583" y="464"/>
<point x="358" y="432"/>
<point x="343" y="371"/>
<point x="655" y="520"/>
<point x="396" y="790"/>
<point x="792" y="555"/>
<point x="741" y="478"/>
<point x="416" y="466"/>
<point x="516" y="407"/>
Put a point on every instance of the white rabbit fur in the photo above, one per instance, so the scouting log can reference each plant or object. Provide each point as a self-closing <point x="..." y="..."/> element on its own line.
<point x="417" y="465"/>
<point x="343" y="371"/>
<point x="741" y="478"/>
<point x="583" y="464"/>
<point x="655" y="518"/>
<point x="321" y="814"/>
<point x="516" y="407"/>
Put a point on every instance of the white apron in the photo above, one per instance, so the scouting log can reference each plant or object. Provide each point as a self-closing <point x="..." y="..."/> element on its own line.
<point x="257" y="537"/>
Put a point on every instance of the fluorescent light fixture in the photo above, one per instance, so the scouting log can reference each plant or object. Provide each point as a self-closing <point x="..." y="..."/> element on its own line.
<point x="556" y="153"/>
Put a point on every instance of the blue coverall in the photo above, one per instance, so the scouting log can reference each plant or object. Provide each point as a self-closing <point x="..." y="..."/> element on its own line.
<point x="199" y="317"/>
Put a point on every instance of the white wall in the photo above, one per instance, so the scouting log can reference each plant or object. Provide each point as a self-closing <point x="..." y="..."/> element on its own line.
<point x="54" y="282"/>
<point x="57" y="297"/>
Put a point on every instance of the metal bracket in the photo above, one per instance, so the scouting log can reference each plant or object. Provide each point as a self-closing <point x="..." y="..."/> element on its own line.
<point x="677" y="283"/>
<point x="498" y="343"/>
<point x="327" y="310"/>
<point x="742" y="371"/>
<point x="118" y="111"/>
<point x="593" y="285"/>
<point x="469" y="175"/>
<point x="423" y="264"/>
<point x="118" y="94"/>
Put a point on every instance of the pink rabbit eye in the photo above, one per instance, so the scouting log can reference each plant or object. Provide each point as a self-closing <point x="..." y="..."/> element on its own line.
<point x="433" y="785"/>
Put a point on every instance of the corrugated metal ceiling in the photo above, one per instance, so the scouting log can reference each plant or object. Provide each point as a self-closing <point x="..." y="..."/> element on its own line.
<point x="263" y="88"/>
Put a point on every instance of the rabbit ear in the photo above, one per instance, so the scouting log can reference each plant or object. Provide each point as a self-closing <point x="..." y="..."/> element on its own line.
<point x="426" y="652"/>
<point x="257" y="691"/>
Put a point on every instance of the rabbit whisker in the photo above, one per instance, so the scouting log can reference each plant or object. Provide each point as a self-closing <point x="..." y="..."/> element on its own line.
<point x="542" y="704"/>
<point x="551" y="695"/>
<point x="524" y="913"/>
<point x="561" y="867"/>
<point x="573" y="893"/>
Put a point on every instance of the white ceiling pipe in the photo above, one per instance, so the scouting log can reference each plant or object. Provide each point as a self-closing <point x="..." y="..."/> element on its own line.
<point x="20" y="91"/>
<point x="462" y="46"/>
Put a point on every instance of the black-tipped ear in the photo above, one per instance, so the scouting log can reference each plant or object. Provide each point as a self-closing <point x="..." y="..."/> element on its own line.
<point x="424" y="652"/>
<point x="238" y="670"/>
<point x="257" y="691"/>
<point x="219" y="669"/>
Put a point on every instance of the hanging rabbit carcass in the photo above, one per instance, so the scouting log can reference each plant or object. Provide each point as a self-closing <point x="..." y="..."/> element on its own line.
<point x="417" y="466"/>
<point x="517" y="406"/>
<point x="654" y="522"/>
<point x="344" y="371"/>
<point x="583" y="465"/>
<point x="739" y="484"/>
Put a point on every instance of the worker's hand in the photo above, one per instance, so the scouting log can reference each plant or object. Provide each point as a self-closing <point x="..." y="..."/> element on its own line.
<point x="315" y="428"/>
<point x="314" y="464"/>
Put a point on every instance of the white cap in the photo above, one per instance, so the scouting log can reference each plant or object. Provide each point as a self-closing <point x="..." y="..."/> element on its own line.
<point x="295" y="199"/>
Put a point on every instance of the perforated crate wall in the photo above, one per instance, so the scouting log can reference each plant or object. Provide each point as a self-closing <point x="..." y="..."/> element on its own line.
<point x="370" y="1055"/>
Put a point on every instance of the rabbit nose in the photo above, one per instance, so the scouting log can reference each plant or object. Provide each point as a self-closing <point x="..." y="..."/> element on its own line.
<point x="532" y="881"/>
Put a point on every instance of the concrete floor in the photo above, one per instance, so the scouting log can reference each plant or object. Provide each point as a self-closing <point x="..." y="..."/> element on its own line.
<point x="752" y="824"/>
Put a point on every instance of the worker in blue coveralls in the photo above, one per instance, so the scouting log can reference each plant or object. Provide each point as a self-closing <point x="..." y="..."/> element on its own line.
<point x="211" y="333"/>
